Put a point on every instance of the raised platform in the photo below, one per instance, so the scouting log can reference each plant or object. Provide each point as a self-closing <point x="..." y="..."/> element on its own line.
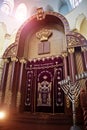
<point x="37" y="121"/>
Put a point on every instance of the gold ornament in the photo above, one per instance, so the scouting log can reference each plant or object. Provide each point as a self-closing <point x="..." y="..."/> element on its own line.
<point x="40" y="14"/>
<point x="44" y="34"/>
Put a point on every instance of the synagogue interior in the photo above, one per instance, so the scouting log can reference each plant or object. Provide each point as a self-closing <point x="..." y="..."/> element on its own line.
<point x="43" y="64"/>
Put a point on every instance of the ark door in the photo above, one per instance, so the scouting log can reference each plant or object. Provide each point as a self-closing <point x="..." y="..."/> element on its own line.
<point x="43" y="92"/>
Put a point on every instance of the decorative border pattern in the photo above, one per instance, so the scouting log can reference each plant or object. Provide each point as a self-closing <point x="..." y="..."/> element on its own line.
<point x="75" y="39"/>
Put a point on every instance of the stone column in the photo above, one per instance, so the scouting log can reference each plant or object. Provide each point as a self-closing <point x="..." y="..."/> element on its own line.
<point x="4" y="80"/>
<point x="65" y="60"/>
<point x="66" y="73"/>
<point x="20" y="85"/>
<point x="84" y="58"/>
<point x="14" y="81"/>
<point x="8" y="92"/>
<point x="72" y="65"/>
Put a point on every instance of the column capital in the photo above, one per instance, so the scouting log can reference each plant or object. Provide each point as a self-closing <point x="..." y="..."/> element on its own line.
<point x="71" y="50"/>
<point x="6" y="60"/>
<point x="84" y="48"/>
<point x="23" y="60"/>
<point x="65" y="54"/>
<point x="14" y="59"/>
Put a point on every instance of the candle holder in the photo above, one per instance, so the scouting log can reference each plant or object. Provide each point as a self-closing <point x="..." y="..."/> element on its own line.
<point x="72" y="90"/>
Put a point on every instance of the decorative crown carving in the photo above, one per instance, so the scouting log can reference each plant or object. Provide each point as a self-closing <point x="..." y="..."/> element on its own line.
<point x="44" y="34"/>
